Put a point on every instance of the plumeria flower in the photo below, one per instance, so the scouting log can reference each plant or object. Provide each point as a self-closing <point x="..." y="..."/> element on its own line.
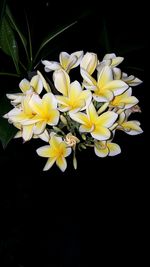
<point x="89" y="62"/>
<point x="19" y="115"/>
<point x="124" y="101"/>
<point x="67" y="62"/>
<point x="45" y="111"/>
<point x="36" y="85"/>
<point x="130" y="127"/>
<point x="106" y="148"/>
<point x="105" y="88"/>
<point x="130" y="80"/>
<point x="74" y="98"/>
<point x="97" y="126"/>
<point x="109" y="60"/>
<point x="56" y="151"/>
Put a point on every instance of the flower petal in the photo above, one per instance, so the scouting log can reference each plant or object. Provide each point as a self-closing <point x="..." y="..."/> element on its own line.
<point x="45" y="84"/>
<point x="27" y="132"/>
<point x="114" y="149"/>
<point x="24" y="85"/>
<point x="101" y="152"/>
<point x="104" y="77"/>
<point x="49" y="164"/>
<point x="37" y="84"/>
<point x="51" y="65"/>
<point x="67" y="152"/>
<point x="116" y="86"/>
<point x="79" y="55"/>
<point x="89" y="62"/>
<point x="44" y="151"/>
<point x="80" y="117"/>
<point x="64" y="58"/>
<point x="61" y="163"/>
<point x="107" y="119"/>
<point x="91" y="112"/>
<point x="62" y="81"/>
<point x="39" y="127"/>
<point x="88" y="78"/>
<point x="101" y="133"/>
<point x="132" y="127"/>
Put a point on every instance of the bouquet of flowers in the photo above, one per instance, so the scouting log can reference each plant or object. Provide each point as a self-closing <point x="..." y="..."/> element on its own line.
<point x="72" y="115"/>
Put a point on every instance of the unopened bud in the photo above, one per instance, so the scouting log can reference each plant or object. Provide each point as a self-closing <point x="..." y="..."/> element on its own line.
<point x="63" y="119"/>
<point x="83" y="137"/>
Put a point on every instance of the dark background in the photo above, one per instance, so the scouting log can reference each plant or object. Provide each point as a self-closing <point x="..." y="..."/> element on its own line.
<point x="94" y="213"/>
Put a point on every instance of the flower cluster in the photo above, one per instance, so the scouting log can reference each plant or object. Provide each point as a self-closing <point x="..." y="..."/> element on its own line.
<point x="71" y="115"/>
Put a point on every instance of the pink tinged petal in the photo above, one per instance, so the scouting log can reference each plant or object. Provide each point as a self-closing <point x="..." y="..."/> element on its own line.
<point x="88" y="78"/>
<point x="61" y="163"/>
<point x="44" y="151"/>
<point x="27" y="132"/>
<point x="24" y="85"/>
<point x="51" y="65"/>
<point x="64" y="58"/>
<point x="67" y="152"/>
<point x="62" y="81"/>
<point x="107" y="119"/>
<point x="50" y="162"/>
<point x="114" y="149"/>
<point x="116" y="86"/>
<point x="101" y="152"/>
<point x="104" y="77"/>
<point x="89" y="62"/>
<point x="101" y="133"/>
<point x="39" y="127"/>
<point x="80" y="117"/>
<point x="37" y="84"/>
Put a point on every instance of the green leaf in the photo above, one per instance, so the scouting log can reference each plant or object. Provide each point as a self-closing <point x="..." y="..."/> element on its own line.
<point x="9" y="74"/>
<point x="15" y="27"/>
<point x="7" y="132"/>
<point x="52" y="36"/>
<point x="2" y="9"/>
<point x="8" y="42"/>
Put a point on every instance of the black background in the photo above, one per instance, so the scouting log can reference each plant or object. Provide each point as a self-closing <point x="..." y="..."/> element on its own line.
<point x="94" y="213"/>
